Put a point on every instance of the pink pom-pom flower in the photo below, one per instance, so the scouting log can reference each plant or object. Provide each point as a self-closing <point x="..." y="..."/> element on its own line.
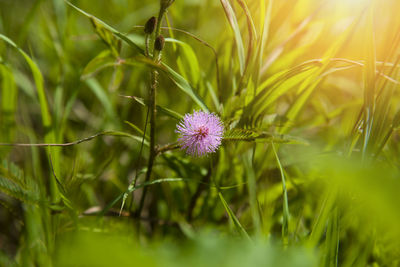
<point x="200" y="133"/>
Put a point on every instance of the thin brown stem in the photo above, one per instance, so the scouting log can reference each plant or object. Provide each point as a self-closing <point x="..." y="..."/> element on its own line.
<point x="64" y="144"/>
<point x="153" y="106"/>
<point x="167" y="147"/>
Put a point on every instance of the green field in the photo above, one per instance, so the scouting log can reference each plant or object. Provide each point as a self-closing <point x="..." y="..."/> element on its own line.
<point x="199" y="133"/>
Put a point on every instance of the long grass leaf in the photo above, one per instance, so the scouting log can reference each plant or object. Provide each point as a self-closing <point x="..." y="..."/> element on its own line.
<point x="230" y="14"/>
<point x="285" y="208"/>
<point x="46" y="117"/>
<point x="233" y="218"/>
<point x="120" y="35"/>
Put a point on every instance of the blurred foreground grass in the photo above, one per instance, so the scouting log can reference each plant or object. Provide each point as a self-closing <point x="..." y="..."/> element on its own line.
<point x="308" y="173"/>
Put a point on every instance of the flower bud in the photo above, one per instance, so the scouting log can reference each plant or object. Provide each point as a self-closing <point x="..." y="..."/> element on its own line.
<point x="159" y="43"/>
<point x="150" y="25"/>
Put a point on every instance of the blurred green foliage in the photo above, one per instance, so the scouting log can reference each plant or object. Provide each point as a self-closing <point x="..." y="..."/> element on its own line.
<point x="308" y="173"/>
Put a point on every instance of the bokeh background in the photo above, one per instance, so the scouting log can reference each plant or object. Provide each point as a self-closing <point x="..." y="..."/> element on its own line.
<point x="304" y="178"/>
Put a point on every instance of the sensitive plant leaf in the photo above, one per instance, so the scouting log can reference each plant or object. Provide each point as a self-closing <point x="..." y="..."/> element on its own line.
<point x="240" y="135"/>
<point x="15" y="191"/>
<point x="13" y="173"/>
<point x="254" y="135"/>
<point x="13" y="184"/>
<point x="120" y="35"/>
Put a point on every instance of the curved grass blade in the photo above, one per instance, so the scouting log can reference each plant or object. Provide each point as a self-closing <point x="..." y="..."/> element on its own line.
<point x="166" y="111"/>
<point x="310" y="84"/>
<point x="8" y="102"/>
<point x="102" y="96"/>
<point x="50" y="136"/>
<point x="181" y="82"/>
<point x="369" y="82"/>
<point x="190" y="61"/>
<point x="137" y="129"/>
<point x="101" y="61"/>
<point x="230" y="14"/>
<point x="252" y="188"/>
<point x="285" y="212"/>
<point x="233" y="218"/>
<point x="120" y="35"/>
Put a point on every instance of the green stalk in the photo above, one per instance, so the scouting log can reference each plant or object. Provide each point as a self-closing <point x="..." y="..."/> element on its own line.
<point x="285" y="212"/>
<point x="152" y="105"/>
<point x="152" y="147"/>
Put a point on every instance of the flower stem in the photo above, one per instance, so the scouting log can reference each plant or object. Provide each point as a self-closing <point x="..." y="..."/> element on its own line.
<point x="152" y="150"/>
<point x="152" y="107"/>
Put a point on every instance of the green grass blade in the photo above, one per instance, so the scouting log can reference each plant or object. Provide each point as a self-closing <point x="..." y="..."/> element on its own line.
<point x="102" y="96"/>
<point x="331" y="253"/>
<point x="101" y="61"/>
<point x="188" y="64"/>
<point x="230" y="14"/>
<point x="8" y="103"/>
<point x="285" y="208"/>
<point x="181" y="82"/>
<point x="369" y="80"/>
<point x="120" y="35"/>
<point x="137" y="129"/>
<point x="46" y="117"/>
<point x="166" y="111"/>
<point x="309" y="85"/>
<point x="252" y="188"/>
<point x="233" y="218"/>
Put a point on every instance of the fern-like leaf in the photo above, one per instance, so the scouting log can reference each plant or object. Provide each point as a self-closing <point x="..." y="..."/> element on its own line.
<point x="257" y="135"/>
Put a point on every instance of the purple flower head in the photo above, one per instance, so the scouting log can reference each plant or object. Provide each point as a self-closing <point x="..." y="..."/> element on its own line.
<point x="200" y="133"/>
